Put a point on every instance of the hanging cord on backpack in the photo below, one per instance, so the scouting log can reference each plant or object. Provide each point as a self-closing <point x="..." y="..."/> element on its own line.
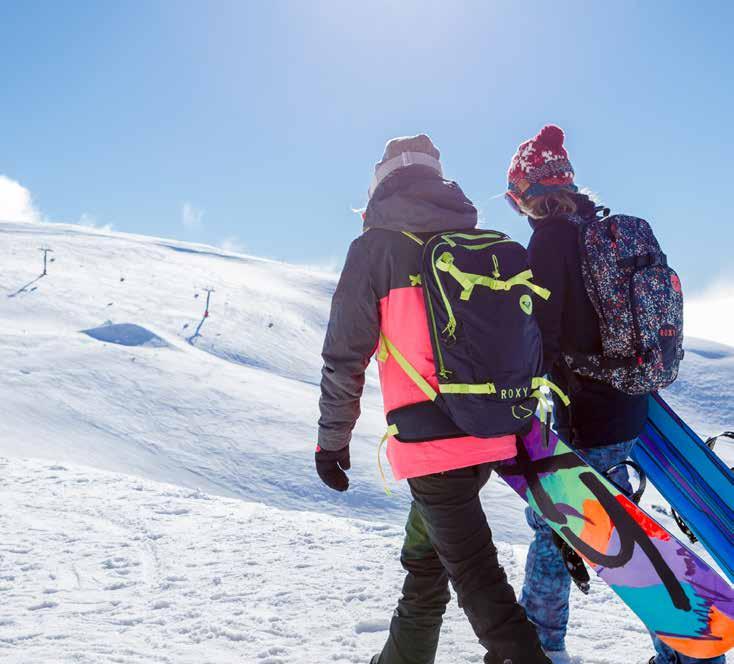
<point x="710" y="443"/>
<point x="539" y="382"/>
<point x="544" y="407"/>
<point x="392" y="430"/>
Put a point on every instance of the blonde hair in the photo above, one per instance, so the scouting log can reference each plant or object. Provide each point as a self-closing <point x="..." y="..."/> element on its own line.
<point x="551" y="204"/>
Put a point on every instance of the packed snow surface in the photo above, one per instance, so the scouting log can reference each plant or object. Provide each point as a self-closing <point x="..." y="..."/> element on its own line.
<point x="109" y="568"/>
<point x="157" y="497"/>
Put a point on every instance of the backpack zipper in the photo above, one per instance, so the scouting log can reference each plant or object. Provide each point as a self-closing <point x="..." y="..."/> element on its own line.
<point x="451" y="324"/>
<point x="442" y="370"/>
<point x="583" y="230"/>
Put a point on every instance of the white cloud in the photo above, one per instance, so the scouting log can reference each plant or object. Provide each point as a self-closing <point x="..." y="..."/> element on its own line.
<point x="710" y="314"/>
<point x="232" y="244"/>
<point x="191" y="217"/>
<point x="87" y="219"/>
<point x="16" y="203"/>
<point x="90" y="221"/>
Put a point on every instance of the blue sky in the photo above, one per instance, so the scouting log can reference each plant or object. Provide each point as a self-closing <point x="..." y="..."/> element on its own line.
<point x="257" y="124"/>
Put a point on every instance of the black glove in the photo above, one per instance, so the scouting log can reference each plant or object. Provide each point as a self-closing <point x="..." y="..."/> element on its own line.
<point x="331" y="466"/>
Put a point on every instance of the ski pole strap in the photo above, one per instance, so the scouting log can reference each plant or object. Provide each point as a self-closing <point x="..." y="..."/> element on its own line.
<point x="468" y="281"/>
<point x="392" y="430"/>
<point x="539" y="382"/>
<point x="388" y="348"/>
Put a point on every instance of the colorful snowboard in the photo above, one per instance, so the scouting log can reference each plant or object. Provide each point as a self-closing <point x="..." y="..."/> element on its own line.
<point x="696" y="482"/>
<point x="677" y="595"/>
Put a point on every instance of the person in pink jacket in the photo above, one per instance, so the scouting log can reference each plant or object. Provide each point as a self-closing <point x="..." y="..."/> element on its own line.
<point x="447" y="534"/>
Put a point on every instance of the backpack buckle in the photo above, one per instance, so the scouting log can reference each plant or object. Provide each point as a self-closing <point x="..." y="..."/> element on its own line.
<point x="644" y="260"/>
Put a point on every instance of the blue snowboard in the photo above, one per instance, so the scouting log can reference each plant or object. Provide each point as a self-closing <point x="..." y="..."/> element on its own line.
<point x="689" y="475"/>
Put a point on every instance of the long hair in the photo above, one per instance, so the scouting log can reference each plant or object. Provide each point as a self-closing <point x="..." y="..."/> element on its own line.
<point x="561" y="202"/>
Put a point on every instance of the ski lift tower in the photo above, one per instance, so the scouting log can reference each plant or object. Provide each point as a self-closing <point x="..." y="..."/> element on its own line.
<point x="45" y="251"/>
<point x="209" y="290"/>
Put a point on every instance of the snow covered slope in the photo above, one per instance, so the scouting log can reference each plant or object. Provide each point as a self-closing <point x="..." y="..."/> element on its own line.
<point x="108" y="362"/>
<point x="232" y="411"/>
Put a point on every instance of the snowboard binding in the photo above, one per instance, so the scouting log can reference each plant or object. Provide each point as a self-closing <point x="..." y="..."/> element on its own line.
<point x="710" y="443"/>
<point x="574" y="564"/>
<point x="635" y="496"/>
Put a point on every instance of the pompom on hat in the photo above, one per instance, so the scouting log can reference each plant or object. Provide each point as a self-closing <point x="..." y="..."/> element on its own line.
<point x="540" y="165"/>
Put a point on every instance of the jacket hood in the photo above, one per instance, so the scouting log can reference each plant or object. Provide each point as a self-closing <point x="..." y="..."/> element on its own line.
<point x="417" y="199"/>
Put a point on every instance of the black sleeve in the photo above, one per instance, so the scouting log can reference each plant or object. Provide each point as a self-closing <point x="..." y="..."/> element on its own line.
<point x="547" y="261"/>
<point x="351" y="340"/>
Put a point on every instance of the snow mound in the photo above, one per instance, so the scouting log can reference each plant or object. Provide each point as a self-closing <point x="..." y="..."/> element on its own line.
<point x="126" y="334"/>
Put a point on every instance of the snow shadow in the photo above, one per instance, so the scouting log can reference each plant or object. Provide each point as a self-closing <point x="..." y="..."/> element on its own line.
<point x="204" y="252"/>
<point x="710" y="354"/>
<point x="126" y="334"/>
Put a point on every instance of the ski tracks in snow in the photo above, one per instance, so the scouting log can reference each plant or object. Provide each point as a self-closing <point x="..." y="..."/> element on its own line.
<point x="106" y="568"/>
<point x="98" y="568"/>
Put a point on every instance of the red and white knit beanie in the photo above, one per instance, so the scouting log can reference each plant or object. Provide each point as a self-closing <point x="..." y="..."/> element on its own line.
<point x="539" y="166"/>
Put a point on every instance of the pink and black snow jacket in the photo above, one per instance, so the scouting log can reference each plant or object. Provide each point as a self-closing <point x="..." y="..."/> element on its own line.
<point x="380" y="292"/>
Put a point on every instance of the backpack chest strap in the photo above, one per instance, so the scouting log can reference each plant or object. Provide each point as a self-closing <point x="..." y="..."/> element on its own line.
<point x="468" y="281"/>
<point x="644" y="260"/>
